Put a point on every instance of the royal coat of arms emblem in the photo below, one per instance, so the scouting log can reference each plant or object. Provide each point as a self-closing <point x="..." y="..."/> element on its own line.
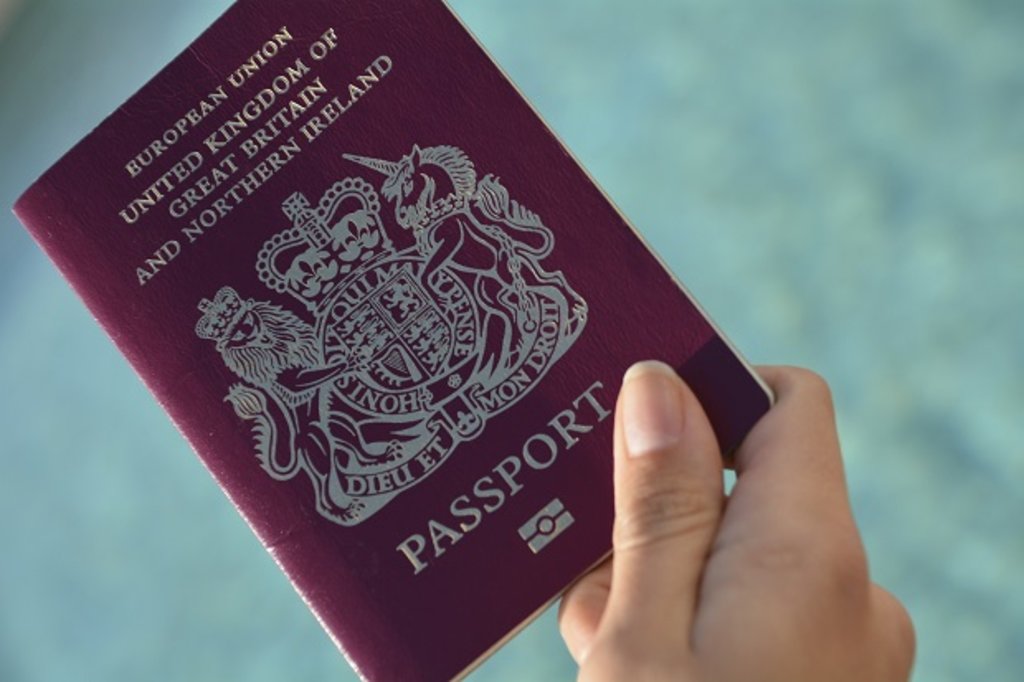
<point x="391" y="357"/>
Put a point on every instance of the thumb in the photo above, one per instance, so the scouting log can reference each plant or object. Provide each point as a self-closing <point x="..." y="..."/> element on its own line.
<point x="668" y="501"/>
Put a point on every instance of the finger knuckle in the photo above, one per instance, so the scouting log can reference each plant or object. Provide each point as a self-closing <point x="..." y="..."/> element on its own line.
<point x="777" y="556"/>
<point x="577" y="603"/>
<point x="902" y="644"/>
<point x="843" y="560"/>
<point x="608" y="662"/>
<point x="663" y="511"/>
<point x="905" y="627"/>
<point x="840" y="568"/>
<point x="629" y="657"/>
<point x="566" y="609"/>
<point x="906" y="636"/>
<point x="817" y="387"/>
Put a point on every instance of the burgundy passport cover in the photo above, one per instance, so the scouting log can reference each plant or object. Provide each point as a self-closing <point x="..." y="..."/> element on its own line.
<point x="388" y="310"/>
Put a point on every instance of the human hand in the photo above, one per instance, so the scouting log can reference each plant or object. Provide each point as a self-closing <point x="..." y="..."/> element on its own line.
<point x="768" y="585"/>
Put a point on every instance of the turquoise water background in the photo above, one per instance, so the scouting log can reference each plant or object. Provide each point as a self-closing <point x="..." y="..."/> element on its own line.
<point x="841" y="183"/>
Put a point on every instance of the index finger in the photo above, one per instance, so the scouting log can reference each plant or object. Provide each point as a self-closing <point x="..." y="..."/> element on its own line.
<point x="796" y="441"/>
<point x="788" y="555"/>
<point x="790" y="486"/>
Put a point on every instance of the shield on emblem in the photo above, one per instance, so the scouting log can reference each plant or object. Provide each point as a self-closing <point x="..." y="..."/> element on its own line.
<point x="402" y="339"/>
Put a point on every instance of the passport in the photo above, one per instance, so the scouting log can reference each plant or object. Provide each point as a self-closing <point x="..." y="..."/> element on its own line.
<point x="388" y="310"/>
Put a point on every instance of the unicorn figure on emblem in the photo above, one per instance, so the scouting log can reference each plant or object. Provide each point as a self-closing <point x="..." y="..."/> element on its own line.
<point x="476" y="228"/>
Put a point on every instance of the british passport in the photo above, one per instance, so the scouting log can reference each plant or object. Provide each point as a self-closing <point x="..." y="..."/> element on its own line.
<point x="388" y="310"/>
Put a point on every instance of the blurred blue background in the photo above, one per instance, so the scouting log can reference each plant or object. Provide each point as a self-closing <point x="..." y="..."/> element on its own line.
<point x="840" y="183"/>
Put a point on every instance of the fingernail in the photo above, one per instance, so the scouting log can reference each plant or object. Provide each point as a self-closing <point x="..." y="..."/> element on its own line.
<point x="652" y="411"/>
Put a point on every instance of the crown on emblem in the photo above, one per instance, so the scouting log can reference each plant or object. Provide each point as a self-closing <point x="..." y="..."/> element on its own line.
<point x="219" y="315"/>
<point x="304" y="219"/>
<point x="325" y="243"/>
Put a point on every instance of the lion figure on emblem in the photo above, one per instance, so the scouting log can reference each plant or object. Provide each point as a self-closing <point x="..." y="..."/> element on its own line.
<point x="277" y="354"/>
